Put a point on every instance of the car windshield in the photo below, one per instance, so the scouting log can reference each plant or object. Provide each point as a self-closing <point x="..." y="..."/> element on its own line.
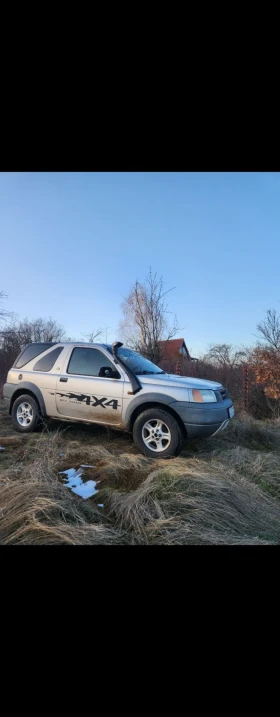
<point x="136" y="362"/>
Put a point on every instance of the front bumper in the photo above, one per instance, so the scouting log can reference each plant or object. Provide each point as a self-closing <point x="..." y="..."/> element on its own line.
<point x="203" y="420"/>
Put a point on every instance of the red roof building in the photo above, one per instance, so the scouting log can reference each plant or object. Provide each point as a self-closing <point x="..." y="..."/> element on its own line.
<point x="173" y="354"/>
<point x="173" y="348"/>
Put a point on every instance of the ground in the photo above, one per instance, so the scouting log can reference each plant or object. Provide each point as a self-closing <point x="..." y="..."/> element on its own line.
<point x="224" y="490"/>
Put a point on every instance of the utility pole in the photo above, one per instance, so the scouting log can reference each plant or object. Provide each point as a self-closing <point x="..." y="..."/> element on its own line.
<point x="108" y="327"/>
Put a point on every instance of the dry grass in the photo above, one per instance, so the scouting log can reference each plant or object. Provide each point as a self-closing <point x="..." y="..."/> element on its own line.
<point x="220" y="491"/>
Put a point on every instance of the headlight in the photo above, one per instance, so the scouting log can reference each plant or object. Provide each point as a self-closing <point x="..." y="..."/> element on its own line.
<point x="203" y="396"/>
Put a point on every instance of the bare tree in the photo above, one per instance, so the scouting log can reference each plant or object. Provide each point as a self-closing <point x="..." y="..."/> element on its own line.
<point x="264" y="360"/>
<point x="4" y="314"/>
<point x="93" y="335"/>
<point x="269" y="329"/>
<point x="2" y="296"/>
<point x="40" y="330"/>
<point x="145" y="316"/>
<point x="19" y="333"/>
<point x="225" y="355"/>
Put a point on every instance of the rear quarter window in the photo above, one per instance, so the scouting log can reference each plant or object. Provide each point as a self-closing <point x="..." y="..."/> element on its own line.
<point x="30" y="353"/>
<point x="47" y="362"/>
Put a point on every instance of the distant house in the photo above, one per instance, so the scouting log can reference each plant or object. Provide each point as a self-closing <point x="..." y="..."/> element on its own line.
<point x="174" y="350"/>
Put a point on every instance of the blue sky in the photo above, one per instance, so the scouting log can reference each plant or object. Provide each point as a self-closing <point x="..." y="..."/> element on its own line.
<point x="72" y="245"/>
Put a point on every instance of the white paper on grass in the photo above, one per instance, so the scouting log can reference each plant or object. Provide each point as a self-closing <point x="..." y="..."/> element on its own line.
<point x="86" y="490"/>
<point x="71" y="472"/>
<point x="1" y="448"/>
<point x="73" y="477"/>
<point x="74" y="481"/>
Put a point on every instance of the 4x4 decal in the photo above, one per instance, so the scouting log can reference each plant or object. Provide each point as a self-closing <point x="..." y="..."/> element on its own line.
<point x="113" y="402"/>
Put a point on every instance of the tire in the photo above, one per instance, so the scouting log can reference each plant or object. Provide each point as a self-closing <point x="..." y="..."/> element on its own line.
<point x="25" y="407"/>
<point x="167" y="439"/>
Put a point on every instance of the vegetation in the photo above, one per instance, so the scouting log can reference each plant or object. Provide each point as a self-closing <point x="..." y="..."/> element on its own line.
<point x="16" y="334"/>
<point x="265" y="360"/>
<point x="145" y="321"/>
<point x="225" y="491"/>
<point x="146" y="324"/>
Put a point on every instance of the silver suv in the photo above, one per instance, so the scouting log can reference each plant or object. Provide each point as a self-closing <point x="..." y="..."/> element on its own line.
<point x="114" y="386"/>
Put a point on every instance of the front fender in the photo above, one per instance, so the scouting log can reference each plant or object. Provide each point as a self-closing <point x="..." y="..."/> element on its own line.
<point x="142" y="399"/>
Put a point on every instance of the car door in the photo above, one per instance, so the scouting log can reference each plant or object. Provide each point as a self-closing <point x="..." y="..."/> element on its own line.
<point x="87" y="390"/>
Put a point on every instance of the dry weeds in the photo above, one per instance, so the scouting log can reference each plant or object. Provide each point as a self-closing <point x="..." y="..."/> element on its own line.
<point x="220" y="491"/>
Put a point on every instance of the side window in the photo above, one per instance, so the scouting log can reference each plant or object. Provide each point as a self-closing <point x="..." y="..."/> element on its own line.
<point x="47" y="362"/>
<point x="88" y="362"/>
<point x="30" y="353"/>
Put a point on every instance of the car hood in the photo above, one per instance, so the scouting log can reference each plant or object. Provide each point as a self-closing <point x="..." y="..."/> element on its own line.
<point x="168" y="379"/>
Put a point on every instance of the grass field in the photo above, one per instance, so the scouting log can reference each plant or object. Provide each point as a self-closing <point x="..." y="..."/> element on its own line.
<point x="220" y="491"/>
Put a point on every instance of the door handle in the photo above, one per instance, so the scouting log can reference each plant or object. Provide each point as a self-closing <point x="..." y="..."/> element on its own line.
<point x="63" y="380"/>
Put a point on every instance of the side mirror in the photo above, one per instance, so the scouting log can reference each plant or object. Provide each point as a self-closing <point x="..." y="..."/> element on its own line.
<point x="107" y="372"/>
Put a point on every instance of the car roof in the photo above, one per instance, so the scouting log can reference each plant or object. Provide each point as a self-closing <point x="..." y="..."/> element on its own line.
<point x="68" y="343"/>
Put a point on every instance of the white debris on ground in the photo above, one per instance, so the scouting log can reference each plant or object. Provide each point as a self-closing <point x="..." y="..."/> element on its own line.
<point x="74" y="481"/>
<point x="73" y="477"/>
<point x="100" y="505"/>
<point x="83" y="465"/>
<point x="86" y="490"/>
<point x="1" y="448"/>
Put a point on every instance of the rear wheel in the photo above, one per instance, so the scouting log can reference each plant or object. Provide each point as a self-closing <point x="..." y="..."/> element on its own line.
<point x="25" y="414"/>
<point x="157" y="434"/>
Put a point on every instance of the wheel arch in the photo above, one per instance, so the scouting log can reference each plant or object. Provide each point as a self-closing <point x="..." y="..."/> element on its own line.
<point x="155" y="404"/>
<point x="30" y="390"/>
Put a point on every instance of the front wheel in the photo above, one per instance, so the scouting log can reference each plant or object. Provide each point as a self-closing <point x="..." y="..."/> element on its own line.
<point x="157" y="434"/>
<point x="25" y="414"/>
